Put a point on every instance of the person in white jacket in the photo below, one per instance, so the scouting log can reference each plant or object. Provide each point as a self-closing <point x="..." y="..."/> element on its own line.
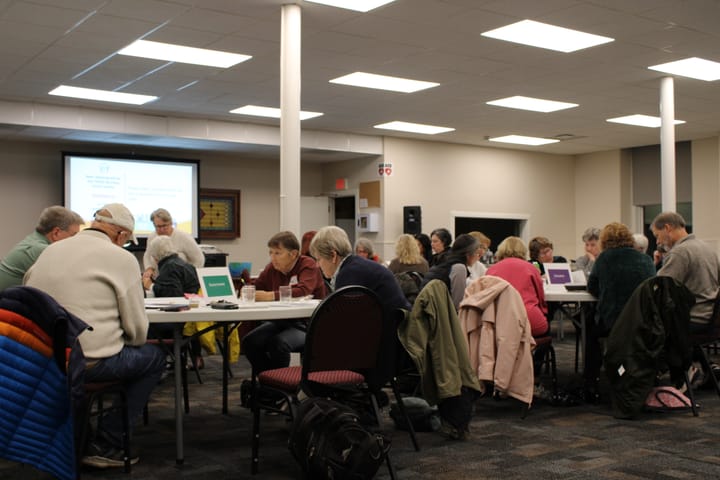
<point x="97" y="280"/>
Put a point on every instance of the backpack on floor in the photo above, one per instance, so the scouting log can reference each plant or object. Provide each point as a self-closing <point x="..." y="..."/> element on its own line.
<point x="329" y="442"/>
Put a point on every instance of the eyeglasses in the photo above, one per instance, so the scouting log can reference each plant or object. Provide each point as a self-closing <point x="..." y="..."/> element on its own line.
<point x="127" y="234"/>
<point x="163" y="226"/>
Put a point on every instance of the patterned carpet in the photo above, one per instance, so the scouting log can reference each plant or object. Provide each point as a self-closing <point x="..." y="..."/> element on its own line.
<point x="578" y="442"/>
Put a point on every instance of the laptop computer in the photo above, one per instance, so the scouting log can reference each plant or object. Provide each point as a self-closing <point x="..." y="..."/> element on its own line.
<point x="216" y="284"/>
<point x="561" y="277"/>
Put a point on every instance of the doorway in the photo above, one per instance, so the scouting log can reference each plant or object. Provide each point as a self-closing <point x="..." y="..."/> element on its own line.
<point x="344" y="208"/>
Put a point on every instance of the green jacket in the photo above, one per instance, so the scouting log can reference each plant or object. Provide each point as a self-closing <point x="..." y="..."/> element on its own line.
<point x="432" y="336"/>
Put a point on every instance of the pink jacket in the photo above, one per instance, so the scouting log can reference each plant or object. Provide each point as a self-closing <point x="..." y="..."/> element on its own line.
<point x="497" y="329"/>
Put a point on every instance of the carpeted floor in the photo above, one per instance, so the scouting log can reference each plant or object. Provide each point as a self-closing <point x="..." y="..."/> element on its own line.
<point x="574" y="442"/>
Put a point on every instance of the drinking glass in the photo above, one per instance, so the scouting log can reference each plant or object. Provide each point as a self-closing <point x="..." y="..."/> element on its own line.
<point x="286" y="293"/>
<point x="248" y="293"/>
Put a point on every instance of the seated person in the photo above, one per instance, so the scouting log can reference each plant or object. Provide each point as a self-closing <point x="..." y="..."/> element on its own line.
<point x="107" y="294"/>
<point x="453" y="270"/>
<point x="305" y="242"/>
<point x="617" y="272"/>
<point x="640" y="242"/>
<point x="513" y="267"/>
<point x="55" y="223"/>
<point x="333" y="251"/>
<point x="479" y="268"/>
<point x="408" y="257"/>
<point x="440" y="241"/>
<point x="184" y="243"/>
<point x="268" y="346"/>
<point x="691" y="262"/>
<point x="424" y="245"/>
<point x="175" y="277"/>
<point x="541" y="252"/>
<point x="591" y="239"/>
<point x="365" y="248"/>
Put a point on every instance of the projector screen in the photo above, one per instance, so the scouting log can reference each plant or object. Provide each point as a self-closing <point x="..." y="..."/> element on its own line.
<point x="141" y="184"/>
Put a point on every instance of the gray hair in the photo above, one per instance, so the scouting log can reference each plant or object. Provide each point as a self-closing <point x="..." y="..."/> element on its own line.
<point x="675" y="220"/>
<point x="161" y="214"/>
<point x="366" y="245"/>
<point x="640" y="242"/>
<point x="57" y="216"/>
<point x="328" y="240"/>
<point x="592" y="233"/>
<point x="161" y="247"/>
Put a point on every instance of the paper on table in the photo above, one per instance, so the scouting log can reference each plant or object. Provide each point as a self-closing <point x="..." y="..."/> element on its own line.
<point x="160" y="302"/>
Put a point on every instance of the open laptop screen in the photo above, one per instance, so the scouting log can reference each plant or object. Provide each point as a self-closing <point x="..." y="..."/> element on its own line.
<point x="558" y="273"/>
<point x="216" y="284"/>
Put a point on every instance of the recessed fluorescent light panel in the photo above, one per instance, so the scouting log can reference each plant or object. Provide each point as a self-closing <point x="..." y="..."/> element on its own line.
<point x="641" y="121"/>
<point x="382" y="82"/>
<point x="542" y="35"/>
<point x="414" y="128"/>
<point x="357" y="5"/>
<point x="257" y="111"/>
<point x="522" y="140"/>
<point x="691" y="67"/>
<point x="178" y="53"/>
<point x="102" y="95"/>
<point x="532" y="104"/>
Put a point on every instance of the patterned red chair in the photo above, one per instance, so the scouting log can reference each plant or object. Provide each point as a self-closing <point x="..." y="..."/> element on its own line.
<point x="347" y="343"/>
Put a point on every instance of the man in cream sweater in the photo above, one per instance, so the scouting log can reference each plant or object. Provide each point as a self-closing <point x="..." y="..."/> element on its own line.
<point x="93" y="277"/>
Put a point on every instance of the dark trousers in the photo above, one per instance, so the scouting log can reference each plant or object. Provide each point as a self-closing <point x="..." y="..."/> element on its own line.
<point x="269" y="345"/>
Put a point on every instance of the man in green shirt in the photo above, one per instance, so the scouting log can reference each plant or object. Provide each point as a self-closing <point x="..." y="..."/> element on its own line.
<point x="55" y="223"/>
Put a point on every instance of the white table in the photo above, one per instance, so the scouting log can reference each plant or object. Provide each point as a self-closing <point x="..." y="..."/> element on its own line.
<point x="259" y="311"/>
<point x="559" y="295"/>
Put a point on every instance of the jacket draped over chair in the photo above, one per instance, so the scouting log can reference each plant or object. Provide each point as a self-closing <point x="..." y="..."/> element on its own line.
<point x="41" y="363"/>
<point x="650" y="335"/>
<point x="432" y="336"/>
<point x="495" y="324"/>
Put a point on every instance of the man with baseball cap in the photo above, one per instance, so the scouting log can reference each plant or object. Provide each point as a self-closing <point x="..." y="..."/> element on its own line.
<point x="101" y="284"/>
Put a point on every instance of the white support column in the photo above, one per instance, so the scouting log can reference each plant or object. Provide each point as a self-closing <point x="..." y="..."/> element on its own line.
<point x="667" y="145"/>
<point x="290" y="86"/>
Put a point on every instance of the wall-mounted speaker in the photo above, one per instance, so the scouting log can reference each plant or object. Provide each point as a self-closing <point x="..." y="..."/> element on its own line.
<point x="412" y="220"/>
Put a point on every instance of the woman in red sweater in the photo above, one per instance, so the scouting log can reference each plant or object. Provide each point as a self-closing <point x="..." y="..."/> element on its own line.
<point x="525" y="277"/>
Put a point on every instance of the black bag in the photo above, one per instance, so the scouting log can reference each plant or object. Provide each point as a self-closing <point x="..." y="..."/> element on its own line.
<point x="329" y="442"/>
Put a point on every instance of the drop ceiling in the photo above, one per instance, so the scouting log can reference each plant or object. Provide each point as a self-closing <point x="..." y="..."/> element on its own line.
<point x="46" y="43"/>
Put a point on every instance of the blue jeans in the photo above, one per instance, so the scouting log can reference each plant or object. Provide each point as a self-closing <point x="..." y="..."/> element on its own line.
<point x="268" y="346"/>
<point x="139" y="368"/>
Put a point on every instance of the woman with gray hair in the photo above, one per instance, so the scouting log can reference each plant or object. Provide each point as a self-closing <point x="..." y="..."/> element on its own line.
<point x="591" y="238"/>
<point x="365" y="248"/>
<point x="175" y="277"/>
<point x="333" y="251"/>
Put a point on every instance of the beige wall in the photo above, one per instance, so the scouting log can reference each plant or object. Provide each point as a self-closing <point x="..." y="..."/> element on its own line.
<point x="706" y="190"/>
<point x="442" y="178"/>
<point x="602" y="192"/>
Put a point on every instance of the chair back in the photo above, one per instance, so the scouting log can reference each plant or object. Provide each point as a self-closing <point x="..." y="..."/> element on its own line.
<point x="347" y="332"/>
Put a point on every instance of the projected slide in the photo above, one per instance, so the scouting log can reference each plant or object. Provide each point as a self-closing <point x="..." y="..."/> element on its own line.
<point x="142" y="185"/>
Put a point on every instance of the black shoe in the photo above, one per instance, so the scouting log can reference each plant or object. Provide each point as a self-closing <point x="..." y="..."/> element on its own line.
<point x="103" y="454"/>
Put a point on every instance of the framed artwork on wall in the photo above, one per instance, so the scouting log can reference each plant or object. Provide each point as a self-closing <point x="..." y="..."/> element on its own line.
<point x="219" y="214"/>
